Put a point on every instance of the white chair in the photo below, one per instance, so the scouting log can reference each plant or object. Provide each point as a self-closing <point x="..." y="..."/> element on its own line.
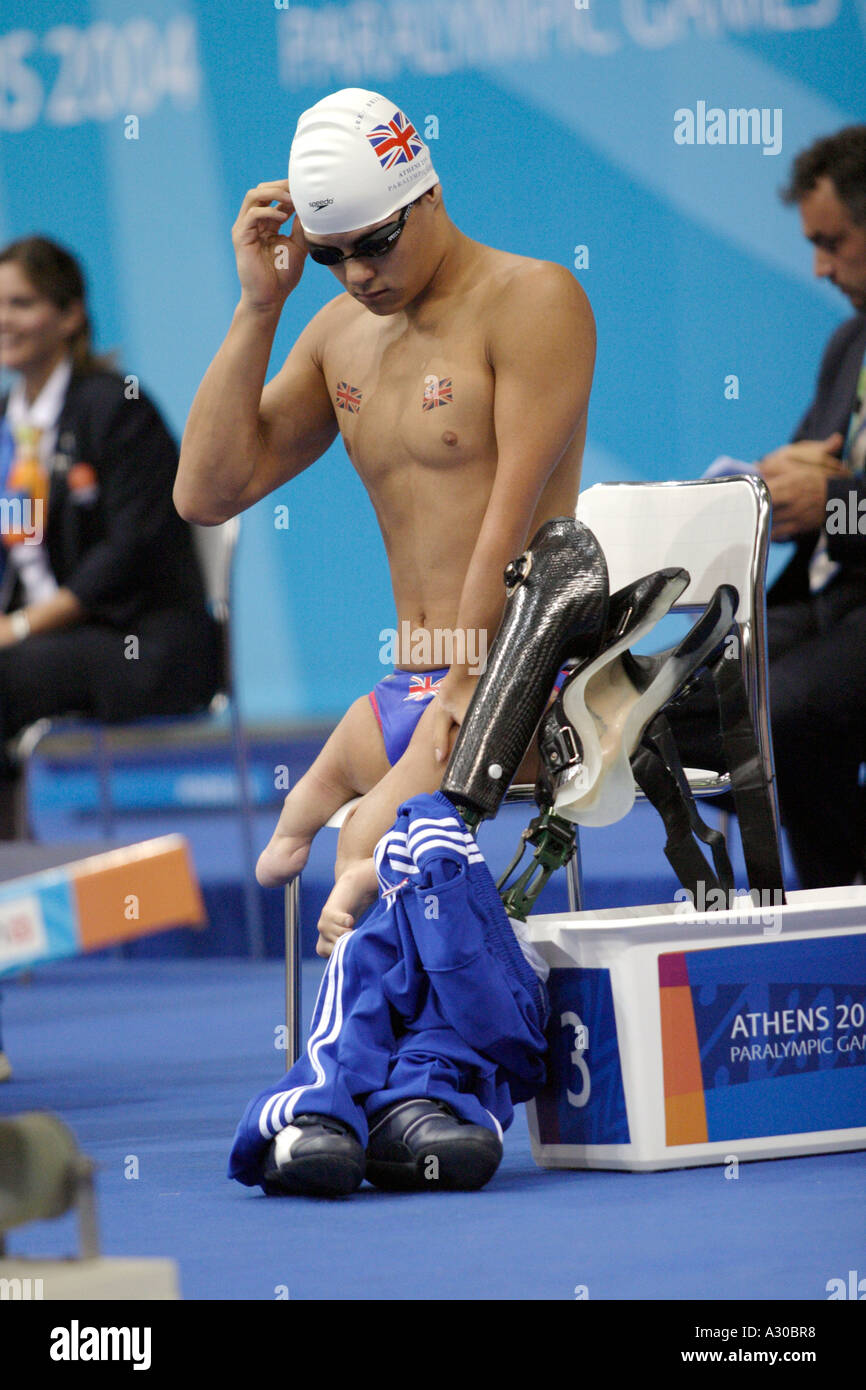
<point x="719" y="531"/>
<point x="216" y="549"/>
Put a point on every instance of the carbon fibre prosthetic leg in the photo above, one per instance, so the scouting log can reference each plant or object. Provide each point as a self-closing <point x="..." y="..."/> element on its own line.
<point x="556" y="610"/>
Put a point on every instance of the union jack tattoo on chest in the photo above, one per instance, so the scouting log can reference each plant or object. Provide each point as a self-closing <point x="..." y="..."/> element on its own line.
<point x="348" y="397"/>
<point x="437" y="391"/>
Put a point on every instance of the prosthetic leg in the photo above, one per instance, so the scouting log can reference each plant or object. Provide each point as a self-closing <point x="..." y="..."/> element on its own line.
<point x="556" y="611"/>
<point x="606" y="727"/>
<point x="588" y="738"/>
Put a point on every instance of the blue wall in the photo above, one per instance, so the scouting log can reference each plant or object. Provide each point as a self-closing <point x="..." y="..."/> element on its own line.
<point x="555" y="130"/>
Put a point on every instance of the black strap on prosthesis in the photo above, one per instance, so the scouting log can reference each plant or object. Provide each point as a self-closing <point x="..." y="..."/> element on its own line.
<point x="659" y="773"/>
<point x="754" y="798"/>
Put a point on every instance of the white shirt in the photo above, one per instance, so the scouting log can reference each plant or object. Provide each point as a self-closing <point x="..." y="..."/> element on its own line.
<point x="30" y="560"/>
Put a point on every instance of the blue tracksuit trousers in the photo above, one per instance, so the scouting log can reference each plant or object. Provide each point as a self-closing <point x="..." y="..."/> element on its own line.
<point x="429" y="996"/>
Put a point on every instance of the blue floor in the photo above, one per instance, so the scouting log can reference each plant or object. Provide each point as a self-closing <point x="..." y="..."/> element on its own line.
<point x="151" y="1057"/>
<point x="155" y="1061"/>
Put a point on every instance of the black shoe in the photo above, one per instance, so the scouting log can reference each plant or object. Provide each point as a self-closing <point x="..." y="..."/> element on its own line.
<point x="420" y="1144"/>
<point x="314" y="1156"/>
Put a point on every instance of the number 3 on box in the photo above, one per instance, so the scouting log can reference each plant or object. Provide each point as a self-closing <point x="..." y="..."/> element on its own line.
<point x="581" y="1045"/>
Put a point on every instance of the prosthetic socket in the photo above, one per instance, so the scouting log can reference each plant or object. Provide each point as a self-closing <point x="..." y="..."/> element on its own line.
<point x="605" y="727"/>
<point x="555" y="611"/>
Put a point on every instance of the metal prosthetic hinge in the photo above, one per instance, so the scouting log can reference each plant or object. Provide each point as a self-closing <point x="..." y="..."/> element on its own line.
<point x="554" y="840"/>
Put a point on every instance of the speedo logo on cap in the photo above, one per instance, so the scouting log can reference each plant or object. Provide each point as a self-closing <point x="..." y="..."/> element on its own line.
<point x="321" y="203"/>
<point x="396" y="142"/>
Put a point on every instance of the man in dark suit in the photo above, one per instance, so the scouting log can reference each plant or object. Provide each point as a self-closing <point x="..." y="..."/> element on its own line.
<point x="816" y="610"/>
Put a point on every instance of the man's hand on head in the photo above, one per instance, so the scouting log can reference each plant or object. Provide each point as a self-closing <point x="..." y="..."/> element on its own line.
<point x="269" y="264"/>
<point x="796" y="476"/>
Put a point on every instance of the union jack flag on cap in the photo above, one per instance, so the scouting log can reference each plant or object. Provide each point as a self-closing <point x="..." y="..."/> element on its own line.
<point x="396" y="142"/>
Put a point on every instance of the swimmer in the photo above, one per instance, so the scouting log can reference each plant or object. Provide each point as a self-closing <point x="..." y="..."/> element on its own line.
<point x="458" y="376"/>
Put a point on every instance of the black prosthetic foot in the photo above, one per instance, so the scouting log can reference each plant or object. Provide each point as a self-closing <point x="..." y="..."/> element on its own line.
<point x="419" y="1145"/>
<point x="315" y="1156"/>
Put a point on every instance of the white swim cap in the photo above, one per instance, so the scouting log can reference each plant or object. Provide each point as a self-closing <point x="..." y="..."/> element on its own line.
<point x="355" y="159"/>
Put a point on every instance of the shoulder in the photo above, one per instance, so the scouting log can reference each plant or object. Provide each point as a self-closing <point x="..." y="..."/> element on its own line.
<point x="847" y="337"/>
<point x="332" y="319"/>
<point x="113" y="417"/>
<point x="535" y="302"/>
<point x="342" y="325"/>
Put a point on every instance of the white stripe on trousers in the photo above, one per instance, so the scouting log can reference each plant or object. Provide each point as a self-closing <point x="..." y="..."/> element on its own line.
<point x="285" y="1102"/>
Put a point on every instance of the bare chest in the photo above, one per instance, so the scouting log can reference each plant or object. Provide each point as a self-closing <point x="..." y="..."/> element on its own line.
<point x="409" y="404"/>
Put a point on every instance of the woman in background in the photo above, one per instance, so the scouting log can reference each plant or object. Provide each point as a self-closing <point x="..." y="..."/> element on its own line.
<point x="102" y="609"/>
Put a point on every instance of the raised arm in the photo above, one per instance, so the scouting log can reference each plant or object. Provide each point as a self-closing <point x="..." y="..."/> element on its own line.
<point x="541" y="346"/>
<point x="242" y="438"/>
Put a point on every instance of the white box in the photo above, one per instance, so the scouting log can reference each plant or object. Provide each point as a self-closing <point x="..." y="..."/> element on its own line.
<point x="681" y="1038"/>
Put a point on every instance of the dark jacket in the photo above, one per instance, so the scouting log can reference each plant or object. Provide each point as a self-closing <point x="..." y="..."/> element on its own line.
<point x="829" y="412"/>
<point x="120" y="545"/>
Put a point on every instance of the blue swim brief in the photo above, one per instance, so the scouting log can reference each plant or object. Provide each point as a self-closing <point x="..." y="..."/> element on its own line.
<point x="398" y="702"/>
<point x="400" y="699"/>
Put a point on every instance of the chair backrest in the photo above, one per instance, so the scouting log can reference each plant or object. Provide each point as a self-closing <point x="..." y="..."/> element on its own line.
<point x="719" y="530"/>
<point x="215" y="548"/>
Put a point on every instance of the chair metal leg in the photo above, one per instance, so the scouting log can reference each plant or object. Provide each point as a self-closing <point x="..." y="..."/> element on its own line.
<point x="22" y="825"/>
<point x="103" y="773"/>
<point x="252" y="900"/>
<point x="574" y="879"/>
<point x="293" y="972"/>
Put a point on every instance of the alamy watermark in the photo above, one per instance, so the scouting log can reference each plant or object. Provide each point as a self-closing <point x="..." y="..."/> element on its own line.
<point x="439" y="647"/>
<point x="759" y="907"/>
<point x="21" y="1290"/>
<point x="846" y="516"/>
<point x="77" y="1343"/>
<point x="853" y="1288"/>
<point x="22" y="519"/>
<point x="740" y="125"/>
